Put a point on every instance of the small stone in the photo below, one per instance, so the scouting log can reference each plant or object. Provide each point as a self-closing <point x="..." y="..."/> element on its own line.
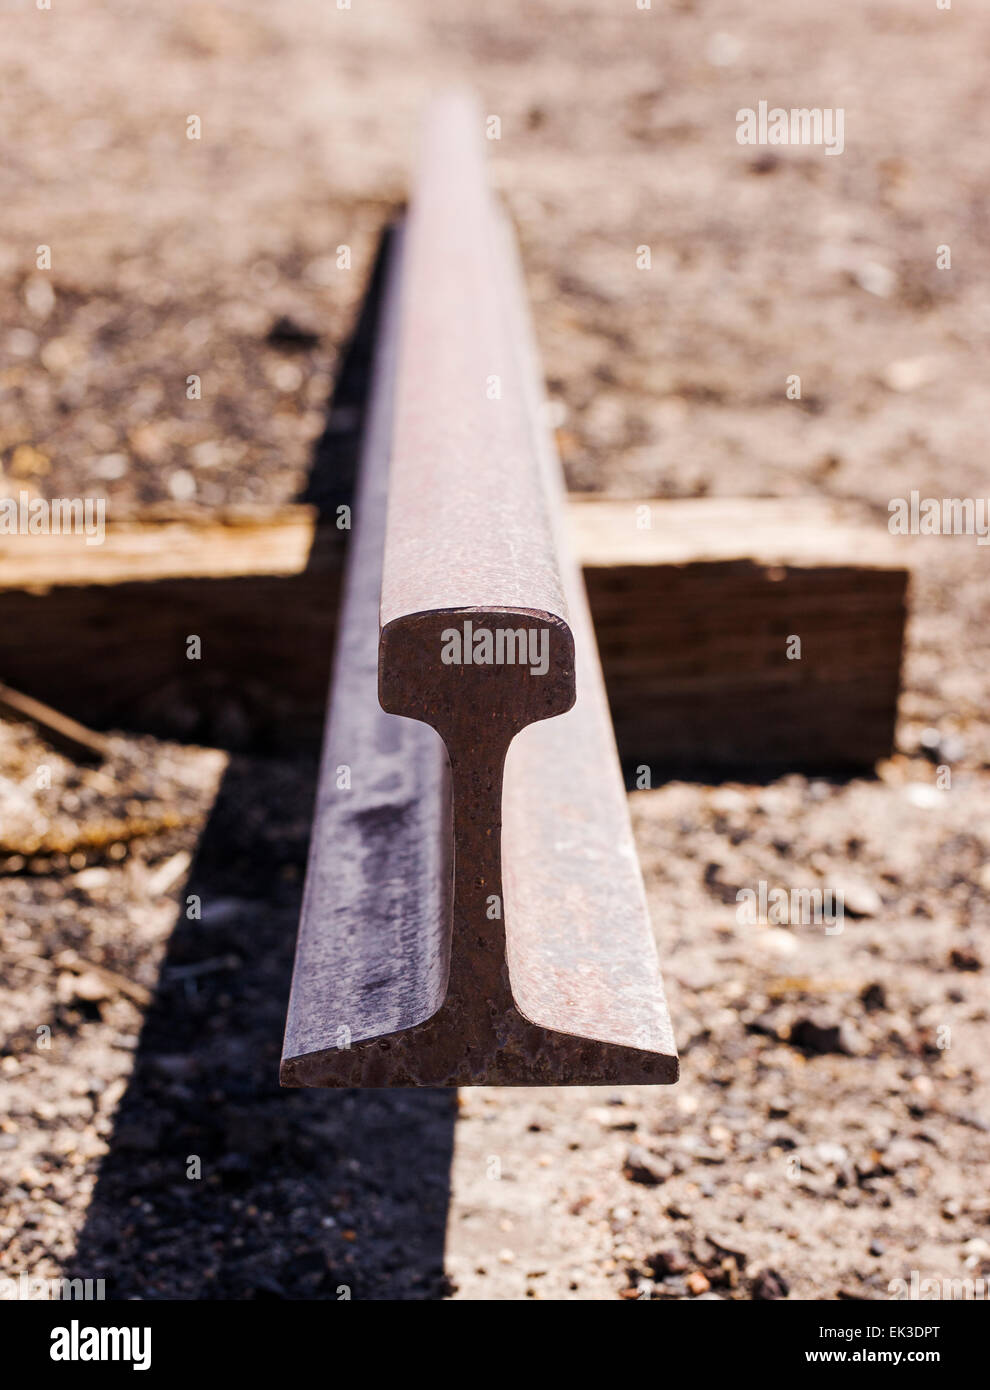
<point x="768" y="1284"/>
<point x="873" y="997"/>
<point x="858" y="899"/>
<point x="817" y="1038"/>
<point x="875" y="278"/>
<point x="697" y="1282"/>
<point x="977" y="1248"/>
<point x="776" y="941"/>
<point x="923" y="795"/>
<point x="908" y="373"/>
<point x="900" y="1154"/>
<point x="643" y="1167"/>
<point x="91" y="987"/>
<point x="92" y="878"/>
<point x="168" y="874"/>
<point x="285" y="376"/>
<point x="149" y="443"/>
<point x="39" y="296"/>
<point x="964" y="960"/>
<point x="182" y="485"/>
<point x="877" y="1248"/>
<point x="206" y="454"/>
<point x="62" y="355"/>
<point x="28" y="462"/>
<point x="290" y="336"/>
<point x="666" y="1262"/>
<point x="88" y="988"/>
<point x="111" y="467"/>
<point x="940" y="747"/>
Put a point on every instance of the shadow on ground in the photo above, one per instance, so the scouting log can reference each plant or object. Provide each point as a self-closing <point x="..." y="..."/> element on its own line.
<point x="300" y="1194"/>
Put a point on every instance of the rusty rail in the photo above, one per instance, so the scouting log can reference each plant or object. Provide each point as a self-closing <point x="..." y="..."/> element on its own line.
<point x="517" y="949"/>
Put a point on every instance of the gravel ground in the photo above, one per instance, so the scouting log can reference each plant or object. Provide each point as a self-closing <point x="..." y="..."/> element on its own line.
<point x="830" y="1132"/>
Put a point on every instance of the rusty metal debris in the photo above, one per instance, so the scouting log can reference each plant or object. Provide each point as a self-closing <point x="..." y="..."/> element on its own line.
<point x="514" y="948"/>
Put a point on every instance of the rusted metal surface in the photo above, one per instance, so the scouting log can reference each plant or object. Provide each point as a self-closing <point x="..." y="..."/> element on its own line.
<point x="581" y="952"/>
<point x="374" y="932"/>
<point x="544" y="970"/>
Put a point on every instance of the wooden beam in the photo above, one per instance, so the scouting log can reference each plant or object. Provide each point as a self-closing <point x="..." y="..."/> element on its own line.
<point x="695" y="603"/>
<point x="692" y="613"/>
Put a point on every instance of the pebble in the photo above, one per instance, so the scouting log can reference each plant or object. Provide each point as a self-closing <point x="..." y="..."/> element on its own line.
<point x="875" y="278"/>
<point x="941" y="747"/>
<point x="873" y="997"/>
<point x="859" y="899"/>
<point x="818" y="1038"/>
<point x="965" y="960"/>
<point x="89" y="987"/>
<point x="923" y="795"/>
<point x="92" y="878"/>
<point x="28" y="462"/>
<point x="768" y="1284"/>
<point x="643" y="1167"/>
<point x="39" y="296"/>
<point x="111" y="467"/>
<point x="776" y="941"/>
<point x="908" y="373"/>
<point x="182" y="485"/>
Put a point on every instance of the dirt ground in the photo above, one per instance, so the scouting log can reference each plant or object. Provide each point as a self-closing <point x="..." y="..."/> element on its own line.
<point x="832" y="1126"/>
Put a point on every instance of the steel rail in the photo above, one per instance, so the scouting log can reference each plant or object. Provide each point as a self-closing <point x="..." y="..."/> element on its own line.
<point x="537" y="966"/>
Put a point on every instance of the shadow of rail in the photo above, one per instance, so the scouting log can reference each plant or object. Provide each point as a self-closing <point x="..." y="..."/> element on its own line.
<point x="228" y="1186"/>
